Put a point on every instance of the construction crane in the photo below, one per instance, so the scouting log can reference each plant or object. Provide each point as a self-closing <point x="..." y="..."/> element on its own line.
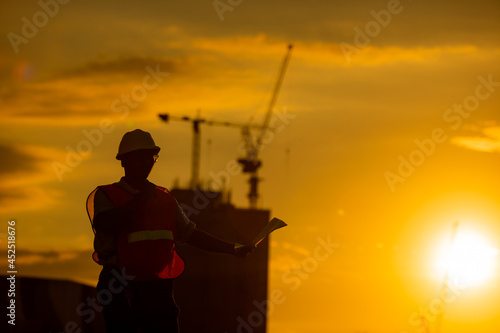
<point x="196" y="144"/>
<point x="251" y="163"/>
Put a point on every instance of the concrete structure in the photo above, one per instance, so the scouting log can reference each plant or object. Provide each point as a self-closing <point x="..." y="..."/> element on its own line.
<point x="220" y="293"/>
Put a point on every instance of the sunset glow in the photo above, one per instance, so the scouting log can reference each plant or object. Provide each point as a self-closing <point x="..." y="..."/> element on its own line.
<point x="469" y="261"/>
<point x="386" y="130"/>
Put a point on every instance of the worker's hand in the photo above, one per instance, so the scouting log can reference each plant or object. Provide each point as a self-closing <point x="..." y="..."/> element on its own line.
<point x="242" y="250"/>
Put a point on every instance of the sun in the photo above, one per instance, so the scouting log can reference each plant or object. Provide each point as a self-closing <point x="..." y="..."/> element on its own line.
<point x="468" y="260"/>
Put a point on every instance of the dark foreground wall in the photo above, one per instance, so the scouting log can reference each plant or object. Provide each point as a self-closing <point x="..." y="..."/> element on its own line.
<point x="44" y="306"/>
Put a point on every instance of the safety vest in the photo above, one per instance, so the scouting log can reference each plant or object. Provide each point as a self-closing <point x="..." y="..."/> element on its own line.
<point x="146" y="246"/>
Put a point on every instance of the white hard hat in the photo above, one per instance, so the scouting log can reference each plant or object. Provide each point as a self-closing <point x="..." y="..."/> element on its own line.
<point x="136" y="140"/>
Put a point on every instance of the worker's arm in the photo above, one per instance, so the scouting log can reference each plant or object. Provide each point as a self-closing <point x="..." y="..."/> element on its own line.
<point x="187" y="232"/>
<point x="111" y="220"/>
<point x="210" y="243"/>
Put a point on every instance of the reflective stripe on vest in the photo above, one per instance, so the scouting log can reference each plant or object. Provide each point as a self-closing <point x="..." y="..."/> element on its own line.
<point x="150" y="235"/>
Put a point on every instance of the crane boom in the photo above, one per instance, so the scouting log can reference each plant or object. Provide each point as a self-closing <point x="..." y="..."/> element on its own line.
<point x="273" y="100"/>
<point x="251" y="164"/>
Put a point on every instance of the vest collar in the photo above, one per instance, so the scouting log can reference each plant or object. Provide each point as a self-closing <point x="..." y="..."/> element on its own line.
<point x="127" y="187"/>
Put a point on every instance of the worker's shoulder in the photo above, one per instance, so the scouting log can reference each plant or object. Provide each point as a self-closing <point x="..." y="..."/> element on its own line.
<point x="100" y="188"/>
<point x="101" y="192"/>
<point x="161" y="188"/>
<point x="96" y="190"/>
<point x="158" y="187"/>
<point x="165" y="191"/>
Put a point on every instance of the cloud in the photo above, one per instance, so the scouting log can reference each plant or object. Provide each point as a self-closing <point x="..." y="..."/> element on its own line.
<point x="75" y="265"/>
<point x="85" y="94"/>
<point x="23" y="172"/>
<point x="218" y="73"/>
<point x="27" y="257"/>
<point x="489" y="142"/>
<point x="264" y="48"/>
<point x="479" y="144"/>
<point x="294" y="256"/>
<point x="49" y="101"/>
<point x="126" y="66"/>
<point x="15" y="159"/>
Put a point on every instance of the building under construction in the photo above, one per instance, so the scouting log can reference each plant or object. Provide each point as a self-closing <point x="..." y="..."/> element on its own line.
<point x="218" y="293"/>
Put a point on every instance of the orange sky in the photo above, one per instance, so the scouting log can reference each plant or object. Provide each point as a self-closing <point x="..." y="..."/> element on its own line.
<point x="389" y="133"/>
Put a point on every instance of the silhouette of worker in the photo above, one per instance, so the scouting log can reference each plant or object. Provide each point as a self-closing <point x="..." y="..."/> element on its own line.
<point x="136" y="225"/>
